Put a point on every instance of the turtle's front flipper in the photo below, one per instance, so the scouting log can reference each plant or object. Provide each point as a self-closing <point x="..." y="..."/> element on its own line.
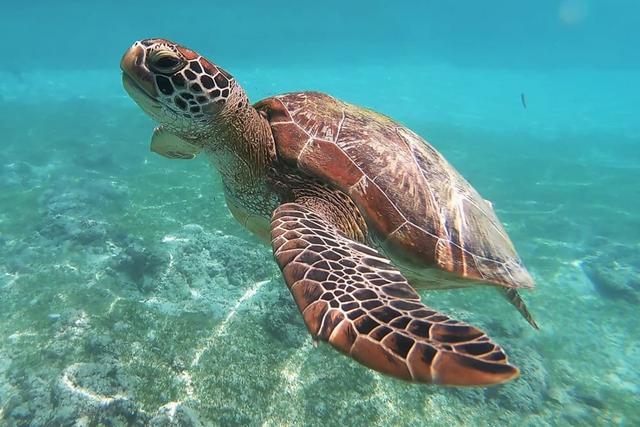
<point x="359" y="302"/>
<point x="171" y="146"/>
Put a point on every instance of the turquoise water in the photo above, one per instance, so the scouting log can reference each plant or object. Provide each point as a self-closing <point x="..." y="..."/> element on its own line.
<point x="129" y="296"/>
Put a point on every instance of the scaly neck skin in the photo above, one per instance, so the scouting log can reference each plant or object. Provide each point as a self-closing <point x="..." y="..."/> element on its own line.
<point x="240" y="144"/>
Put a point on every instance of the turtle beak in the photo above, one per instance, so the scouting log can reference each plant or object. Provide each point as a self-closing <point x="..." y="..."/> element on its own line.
<point x="135" y="72"/>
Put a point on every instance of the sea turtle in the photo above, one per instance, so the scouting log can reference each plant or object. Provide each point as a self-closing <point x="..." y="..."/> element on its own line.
<point x="358" y="209"/>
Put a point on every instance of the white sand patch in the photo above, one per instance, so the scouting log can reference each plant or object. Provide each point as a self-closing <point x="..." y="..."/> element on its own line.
<point x="221" y="329"/>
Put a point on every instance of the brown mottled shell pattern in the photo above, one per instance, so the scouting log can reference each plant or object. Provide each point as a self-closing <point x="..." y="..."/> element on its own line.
<point x="420" y="210"/>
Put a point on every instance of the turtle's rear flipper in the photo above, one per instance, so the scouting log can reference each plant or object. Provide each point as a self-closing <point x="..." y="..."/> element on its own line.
<point x="355" y="299"/>
<point x="514" y="298"/>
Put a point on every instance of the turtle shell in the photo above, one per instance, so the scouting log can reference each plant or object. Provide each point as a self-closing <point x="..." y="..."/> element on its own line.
<point x="421" y="211"/>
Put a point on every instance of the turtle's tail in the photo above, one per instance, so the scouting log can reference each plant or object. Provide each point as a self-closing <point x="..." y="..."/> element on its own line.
<point x="514" y="298"/>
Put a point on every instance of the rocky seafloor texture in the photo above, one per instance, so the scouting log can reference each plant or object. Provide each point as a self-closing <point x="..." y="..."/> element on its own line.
<point x="128" y="295"/>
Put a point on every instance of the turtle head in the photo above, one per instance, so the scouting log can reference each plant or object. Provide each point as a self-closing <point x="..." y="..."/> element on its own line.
<point x="178" y="88"/>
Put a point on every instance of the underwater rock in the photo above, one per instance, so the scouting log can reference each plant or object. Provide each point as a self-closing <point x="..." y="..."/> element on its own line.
<point x="68" y="217"/>
<point x="121" y="326"/>
<point x="139" y="262"/>
<point x="229" y="252"/>
<point x="87" y="231"/>
<point x="183" y="275"/>
<point x="18" y="173"/>
<point x="106" y="190"/>
<point x="231" y="417"/>
<point x="615" y="273"/>
<point x="281" y="318"/>
<point x="96" y="391"/>
<point x="97" y="344"/>
<point x="10" y="404"/>
<point x="29" y="403"/>
<point x="210" y="265"/>
<point x="60" y="202"/>
<point x="175" y="414"/>
<point x="92" y="158"/>
<point x="592" y="398"/>
<point x="78" y="216"/>
<point x="22" y="259"/>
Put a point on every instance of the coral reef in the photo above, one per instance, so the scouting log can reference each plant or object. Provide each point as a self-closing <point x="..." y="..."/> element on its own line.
<point x="615" y="273"/>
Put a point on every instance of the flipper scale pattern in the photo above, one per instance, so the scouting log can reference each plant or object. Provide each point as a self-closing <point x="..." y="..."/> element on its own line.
<point x="355" y="299"/>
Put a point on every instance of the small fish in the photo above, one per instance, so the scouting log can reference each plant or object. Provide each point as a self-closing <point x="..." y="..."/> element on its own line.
<point x="524" y="100"/>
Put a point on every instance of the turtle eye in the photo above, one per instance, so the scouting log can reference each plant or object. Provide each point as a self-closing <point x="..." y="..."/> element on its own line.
<point x="165" y="62"/>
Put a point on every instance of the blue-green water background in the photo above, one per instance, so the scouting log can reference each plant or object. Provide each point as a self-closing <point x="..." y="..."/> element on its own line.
<point x="128" y="294"/>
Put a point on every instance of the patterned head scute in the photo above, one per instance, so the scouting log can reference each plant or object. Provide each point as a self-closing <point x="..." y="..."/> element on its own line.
<point x="186" y="85"/>
<point x="194" y="86"/>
